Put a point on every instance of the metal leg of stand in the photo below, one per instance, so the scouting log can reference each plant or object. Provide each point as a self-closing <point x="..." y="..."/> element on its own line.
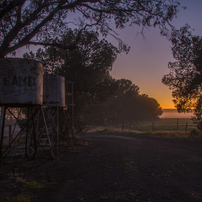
<point x="2" y="121"/>
<point x="58" y="149"/>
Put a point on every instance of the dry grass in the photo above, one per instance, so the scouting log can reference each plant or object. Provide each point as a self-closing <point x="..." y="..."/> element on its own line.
<point x="164" y="134"/>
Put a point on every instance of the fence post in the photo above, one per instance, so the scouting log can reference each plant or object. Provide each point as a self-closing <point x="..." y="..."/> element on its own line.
<point x="186" y="127"/>
<point x="10" y="137"/>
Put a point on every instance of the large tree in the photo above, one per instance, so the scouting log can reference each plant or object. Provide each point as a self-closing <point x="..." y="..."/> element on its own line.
<point x="43" y="22"/>
<point x="88" y="66"/>
<point x="185" y="77"/>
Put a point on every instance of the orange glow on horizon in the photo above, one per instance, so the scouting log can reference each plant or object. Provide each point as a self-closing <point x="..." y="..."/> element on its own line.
<point x="167" y="105"/>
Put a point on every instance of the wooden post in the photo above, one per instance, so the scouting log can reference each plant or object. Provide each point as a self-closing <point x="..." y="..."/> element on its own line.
<point x="177" y="124"/>
<point x="186" y="126"/>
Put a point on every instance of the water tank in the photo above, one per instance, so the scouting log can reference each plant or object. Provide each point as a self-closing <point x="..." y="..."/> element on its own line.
<point x="21" y="82"/>
<point x="54" y="90"/>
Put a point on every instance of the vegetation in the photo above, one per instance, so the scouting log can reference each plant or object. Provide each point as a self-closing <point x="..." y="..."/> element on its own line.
<point x="33" y="185"/>
<point x="185" y="77"/>
<point x="79" y="55"/>
<point x="19" y="198"/>
<point x="88" y="67"/>
<point x="40" y="22"/>
<point x="126" y="105"/>
<point x="161" y="125"/>
<point x="146" y="130"/>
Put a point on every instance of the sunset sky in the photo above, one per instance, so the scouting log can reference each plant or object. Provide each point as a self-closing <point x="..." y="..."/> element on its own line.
<point x="147" y="61"/>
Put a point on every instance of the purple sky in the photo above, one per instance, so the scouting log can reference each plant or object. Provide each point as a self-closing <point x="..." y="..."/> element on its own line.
<point x="147" y="61"/>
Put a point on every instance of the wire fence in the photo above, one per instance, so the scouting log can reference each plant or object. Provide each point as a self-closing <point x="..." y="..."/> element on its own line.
<point x="166" y="124"/>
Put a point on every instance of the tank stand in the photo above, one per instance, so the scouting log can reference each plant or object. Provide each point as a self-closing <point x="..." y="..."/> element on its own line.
<point x="22" y="143"/>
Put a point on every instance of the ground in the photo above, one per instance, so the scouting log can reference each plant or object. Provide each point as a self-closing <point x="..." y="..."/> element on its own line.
<point x="109" y="167"/>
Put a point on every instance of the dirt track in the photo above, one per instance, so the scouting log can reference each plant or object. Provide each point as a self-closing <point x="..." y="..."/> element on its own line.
<point x="124" y="168"/>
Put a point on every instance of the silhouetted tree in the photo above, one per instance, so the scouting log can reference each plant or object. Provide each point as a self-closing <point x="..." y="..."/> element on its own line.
<point x="125" y="105"/>
<point x="185" y="77"/>
<point x="42" y="22"/>
<point x="88" y="66"/>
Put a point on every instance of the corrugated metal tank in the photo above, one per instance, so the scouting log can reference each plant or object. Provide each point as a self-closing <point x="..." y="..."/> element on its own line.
<point x="21" y="82"/>
<point x="54" y="90"/>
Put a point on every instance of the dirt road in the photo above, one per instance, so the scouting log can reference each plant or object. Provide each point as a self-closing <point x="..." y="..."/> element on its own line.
<point x="123" y="168"/>
<point x="136" y="168"/>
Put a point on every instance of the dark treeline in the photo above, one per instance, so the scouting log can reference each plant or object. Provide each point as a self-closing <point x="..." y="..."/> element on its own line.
<point x="126" y="105"/>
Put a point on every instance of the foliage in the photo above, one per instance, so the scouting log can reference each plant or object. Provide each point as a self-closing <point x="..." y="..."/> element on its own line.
<point x="185" y="77"/>
<point x="125" y="105"/>
<point x="41" y="22"/>
<point x="87" y="66"/>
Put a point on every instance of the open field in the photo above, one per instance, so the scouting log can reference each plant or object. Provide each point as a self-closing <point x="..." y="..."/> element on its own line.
<point x="169" y="124"/>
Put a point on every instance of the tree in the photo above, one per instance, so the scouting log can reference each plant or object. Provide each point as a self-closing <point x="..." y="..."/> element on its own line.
<point x="88" y="66"/>
<point x="185" y="77"/>
<point x="42" y="22"/>
<point x="125" y="105"/>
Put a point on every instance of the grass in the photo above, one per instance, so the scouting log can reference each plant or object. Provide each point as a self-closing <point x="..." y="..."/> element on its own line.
<point x="104" y="197"/>
<point x="166" y="124"/>
<point x="28" y="186"/>
<point x="164" y="134"/>
<point x="19" y="198"/>
<point x="104" y="130"/>
<point x="33" y="185"/>
<point x="120" y="198"/>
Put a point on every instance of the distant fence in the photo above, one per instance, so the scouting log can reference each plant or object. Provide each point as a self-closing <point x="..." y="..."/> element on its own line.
<point x="167" y="124"/>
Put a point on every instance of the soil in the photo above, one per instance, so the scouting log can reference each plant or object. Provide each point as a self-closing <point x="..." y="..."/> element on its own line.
<point x="110" y="167"/>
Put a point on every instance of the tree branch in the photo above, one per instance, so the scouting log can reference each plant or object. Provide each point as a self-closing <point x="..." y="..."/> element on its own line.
<point x="6" y="8"/>
<point x="21" y="20"/>
<point x="68" y="47"/>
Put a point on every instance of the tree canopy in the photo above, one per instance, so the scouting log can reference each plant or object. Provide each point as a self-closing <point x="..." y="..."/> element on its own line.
<point x="42" y="22"/>
<point x="88" y="66"/>
<point x="185" y="77"/>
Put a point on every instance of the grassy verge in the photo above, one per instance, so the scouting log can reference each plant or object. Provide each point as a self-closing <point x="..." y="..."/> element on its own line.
<point x="164" y="134"/>
<point x="166" y="124"/>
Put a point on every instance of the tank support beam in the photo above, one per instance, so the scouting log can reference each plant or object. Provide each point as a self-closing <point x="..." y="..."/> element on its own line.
<point x="2" y="122"/>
